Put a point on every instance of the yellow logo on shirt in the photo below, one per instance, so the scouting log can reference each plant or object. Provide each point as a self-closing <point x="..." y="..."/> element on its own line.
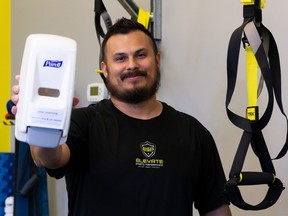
<point x="148" y="149"/>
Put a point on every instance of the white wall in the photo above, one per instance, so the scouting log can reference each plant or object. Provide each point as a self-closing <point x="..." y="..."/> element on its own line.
<point x="195" y="37"/>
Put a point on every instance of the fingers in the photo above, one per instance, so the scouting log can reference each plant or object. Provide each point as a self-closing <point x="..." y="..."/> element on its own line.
<point x="17" y="78"/>
<point x="14" y="110"/>
<point x="75" y="101"/>
<point x="15" y="89"/>
<point x="15" y="94"/>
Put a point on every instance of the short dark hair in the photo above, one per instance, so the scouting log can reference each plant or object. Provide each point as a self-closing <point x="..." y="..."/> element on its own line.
<point x="125" y="26"/>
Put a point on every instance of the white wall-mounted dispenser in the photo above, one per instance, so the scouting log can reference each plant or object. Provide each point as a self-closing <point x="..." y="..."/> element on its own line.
<point x="46" y="90"/>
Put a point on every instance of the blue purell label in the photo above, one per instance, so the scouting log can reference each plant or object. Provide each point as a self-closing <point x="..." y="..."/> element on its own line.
<point x="53" y="63"/>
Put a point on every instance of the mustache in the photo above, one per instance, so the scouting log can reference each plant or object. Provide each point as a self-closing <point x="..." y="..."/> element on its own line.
<point x="133" y="73"/>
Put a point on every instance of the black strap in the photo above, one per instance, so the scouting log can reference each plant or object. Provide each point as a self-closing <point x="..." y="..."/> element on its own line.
<point x="100" y="11"/>
<point x="268" y="60"/>
<point x="234" y="195"/>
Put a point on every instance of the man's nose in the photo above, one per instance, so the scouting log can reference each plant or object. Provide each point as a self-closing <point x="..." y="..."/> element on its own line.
<point x="132" y="63"/>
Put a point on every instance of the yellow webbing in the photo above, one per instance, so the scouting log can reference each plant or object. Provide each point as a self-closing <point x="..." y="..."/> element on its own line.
<point x="251" y="2"/>
<point x="252" y="80"/>
<point x="143" y="17"/>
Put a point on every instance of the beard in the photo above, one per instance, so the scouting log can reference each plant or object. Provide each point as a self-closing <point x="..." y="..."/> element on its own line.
<point x="137" y="94"/>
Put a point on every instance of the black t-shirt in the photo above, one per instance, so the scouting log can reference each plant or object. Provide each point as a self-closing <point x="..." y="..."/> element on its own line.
<point x="129" y="167"/>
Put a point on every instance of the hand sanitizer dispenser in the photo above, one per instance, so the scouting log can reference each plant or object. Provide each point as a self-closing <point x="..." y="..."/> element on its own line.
<point x="46" y="90"/>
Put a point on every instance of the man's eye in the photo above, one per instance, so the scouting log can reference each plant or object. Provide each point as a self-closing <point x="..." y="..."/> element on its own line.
<point x="141" y="55"/>
<point x="120" y="58"/>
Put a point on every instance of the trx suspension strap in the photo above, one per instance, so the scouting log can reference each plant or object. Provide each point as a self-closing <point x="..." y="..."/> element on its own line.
<point x="262" y="52"/>
<point x="100" y="11"/>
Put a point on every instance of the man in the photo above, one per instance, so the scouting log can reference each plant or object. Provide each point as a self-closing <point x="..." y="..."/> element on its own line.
<point x="133" y="155"/>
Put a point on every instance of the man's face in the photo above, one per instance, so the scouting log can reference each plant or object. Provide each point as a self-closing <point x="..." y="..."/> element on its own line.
<point x="131" y="67"/>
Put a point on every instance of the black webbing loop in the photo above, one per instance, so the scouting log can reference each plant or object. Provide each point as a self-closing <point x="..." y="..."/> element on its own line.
<point x="232" y="67"/>
<point x="100" y="11"/>
<point x="274" y="61"/>
<point x="265" y="50"/>
<point x="234" y="195"/>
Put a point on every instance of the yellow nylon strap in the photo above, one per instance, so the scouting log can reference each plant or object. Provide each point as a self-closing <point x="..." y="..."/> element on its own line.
<point x="143" y="17"/>
<point x="251" y="2"/>
<point x="251" y="76"/>
<point x="4" y="73"/>
<point x="252" y="80"/>
<point x="99" y="71"/>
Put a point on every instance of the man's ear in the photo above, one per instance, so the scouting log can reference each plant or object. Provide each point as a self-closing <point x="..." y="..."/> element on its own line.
<point x="158" y="59"/>
<point x="104" y="68"/>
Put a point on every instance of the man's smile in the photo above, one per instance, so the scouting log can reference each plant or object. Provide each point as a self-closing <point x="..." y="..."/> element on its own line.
<point x="133" y="74"/>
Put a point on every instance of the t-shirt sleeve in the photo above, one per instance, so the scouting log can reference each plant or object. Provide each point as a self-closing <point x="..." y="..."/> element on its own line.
<point x="210" y="194"/>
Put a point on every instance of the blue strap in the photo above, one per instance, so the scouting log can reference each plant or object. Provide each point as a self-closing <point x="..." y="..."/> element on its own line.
<point x="29" y="199"/>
